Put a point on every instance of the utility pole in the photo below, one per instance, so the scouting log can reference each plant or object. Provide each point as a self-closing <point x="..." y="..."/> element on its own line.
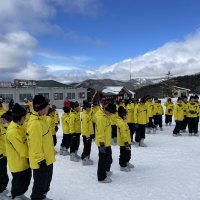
<point x="169" y="85"/>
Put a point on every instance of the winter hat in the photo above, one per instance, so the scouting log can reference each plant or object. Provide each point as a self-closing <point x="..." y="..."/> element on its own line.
<point x="7" y="116"/>
<point x="122" y="112"/>
<point x="95" y="103"/>
<point x="111" y="108"/>
<point x="143" y="100"/>
<point x="86" y="104"/>
<point x="66" y="109"/>
<point x="40" y="102"/>
<point x="191" y="97"/>
<point x="74" y="104"/>
<point x="18" y="112"/>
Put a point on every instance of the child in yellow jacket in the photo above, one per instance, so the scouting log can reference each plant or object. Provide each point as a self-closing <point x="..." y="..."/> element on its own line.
<point x="66" y="140"/>
<point x="178" y="116"/>
<point x="87" y="132"/>
<point x="192" y="116"/>
<point x="103" y="141"/>
<point x="18" y="153"/>
<point x="5" y="119"/>
<point x="168" y="111"/>
<point x="141" y="120"/>
<point x="75" y="131"/>
<point x="124" y="140"/>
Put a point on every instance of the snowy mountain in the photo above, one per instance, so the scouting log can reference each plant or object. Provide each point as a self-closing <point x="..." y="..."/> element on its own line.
<point x="147" y="81"/>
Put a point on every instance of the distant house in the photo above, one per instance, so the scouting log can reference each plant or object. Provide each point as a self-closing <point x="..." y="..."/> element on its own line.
<point x="55" y="91"/>
<point x="179" y="91"/>
<point x="117" y="92"/>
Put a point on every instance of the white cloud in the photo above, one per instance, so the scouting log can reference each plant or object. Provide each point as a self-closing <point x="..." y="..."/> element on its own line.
<point x="15" y="50"/>
<point x="26" y="15"/>
<point x="181" y="58"/>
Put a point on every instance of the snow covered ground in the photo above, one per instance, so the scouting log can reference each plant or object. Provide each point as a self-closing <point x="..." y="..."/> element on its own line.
<point x="168" y="169"/>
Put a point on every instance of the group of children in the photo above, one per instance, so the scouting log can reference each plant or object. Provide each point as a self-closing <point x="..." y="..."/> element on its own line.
<point x="27" y="146"/>
<point x="115" y="123"/>
<point x="28" y="136"/>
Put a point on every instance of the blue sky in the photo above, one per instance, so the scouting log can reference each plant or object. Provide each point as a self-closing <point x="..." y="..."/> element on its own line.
<point x="69" y="40"/>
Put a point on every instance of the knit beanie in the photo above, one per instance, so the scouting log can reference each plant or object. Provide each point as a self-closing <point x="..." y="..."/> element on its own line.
<point x="86" y="104"/>
<point x="7" y="116"/>
<point x="40" y="102"/>
<point x="111" y="108"/>
<point x="18" y="112"/>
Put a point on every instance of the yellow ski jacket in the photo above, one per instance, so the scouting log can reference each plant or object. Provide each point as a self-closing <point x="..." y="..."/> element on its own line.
<point x="140" y="114"/>
<point x="65" y="123"/>
<point x="123" y="132"/>
<point x="16" y="148"/>
<point x="75" y="122"/>
<point x="87" y="125"/>
<point x="103" y="128"/>
<point x="40" y="141"/>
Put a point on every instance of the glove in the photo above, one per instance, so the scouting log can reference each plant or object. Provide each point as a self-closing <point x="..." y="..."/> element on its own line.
<point x="56" y="128"/>
<point x="42" y="164"/>
<point x="127" y="146"/>
<point x="102" y="147"/>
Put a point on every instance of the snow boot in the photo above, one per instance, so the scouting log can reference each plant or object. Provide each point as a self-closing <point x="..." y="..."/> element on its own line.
<point x="161" y="129"/>
<point x="77" y="156"/>
<point x="109" y="173"/>
<point x="65" y="152"/>
<point x="196" y="134"/>
<point x="74" y="158"/>
<point x="106" y="180"/>
<point x="142" y="144"/>
<point x="137" y="144"/>
<point x="129" y="165"/>
<point x="90" y="161"/>
<point x="125" y="169"/>
<point x="87" y="161"/>
<point x="154" y="130"/>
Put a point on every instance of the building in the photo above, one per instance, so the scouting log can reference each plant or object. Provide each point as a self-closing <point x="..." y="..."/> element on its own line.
<point x="179" y="91"/>
<point x="117" y="92"/>
<point x="55" y="91"/>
